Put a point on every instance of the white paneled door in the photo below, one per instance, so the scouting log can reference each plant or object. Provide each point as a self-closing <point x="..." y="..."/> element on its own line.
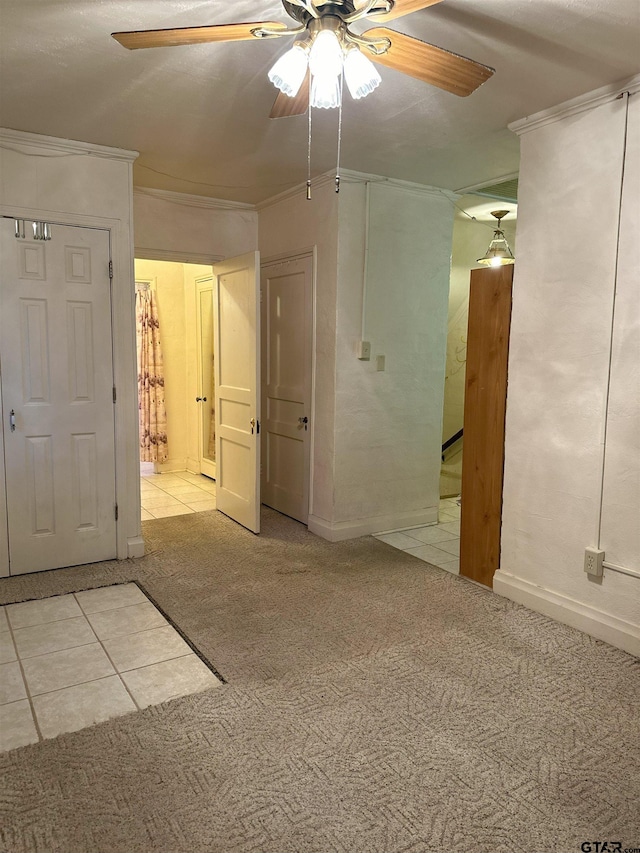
<point x="237" y="392"/>
<point x="57" y="397"/>
<point x="287" y="326"/>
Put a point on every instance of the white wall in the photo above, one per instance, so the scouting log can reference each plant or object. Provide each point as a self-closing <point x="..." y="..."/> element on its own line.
<point x="561" y="337"/>
<point x="179" y="227"/>
<point x="389" y="423"/>
<point x="376" y="435"/>
<point x="289" y="226"/>
<point x="75" y="183"/>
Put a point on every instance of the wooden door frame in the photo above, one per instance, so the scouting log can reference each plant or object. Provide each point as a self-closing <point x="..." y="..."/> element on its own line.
<point x="272" y="260"/>
<point x="484" y="425"/>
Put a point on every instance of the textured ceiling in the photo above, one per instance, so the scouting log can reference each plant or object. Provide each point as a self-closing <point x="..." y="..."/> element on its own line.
<point x="198" y="115"/>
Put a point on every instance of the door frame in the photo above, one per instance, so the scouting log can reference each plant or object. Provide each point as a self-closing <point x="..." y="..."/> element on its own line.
<point x="200" y="283"/>
<point x="274" y="260"/>
<point x="129" y="542"/>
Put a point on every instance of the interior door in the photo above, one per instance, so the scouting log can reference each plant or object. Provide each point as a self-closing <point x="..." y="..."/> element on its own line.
<point x="206" y="380"/>
<point x="287" y="325"/>
<point x="237" y="393"/>
<point x="57" y="391"/>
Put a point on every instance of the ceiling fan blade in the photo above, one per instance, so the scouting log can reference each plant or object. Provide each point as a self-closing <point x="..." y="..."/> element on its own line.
<point x="193" y="35"/>
<point x="429" y="63"/>
<point x="284" y="106"/>
<point x="404" y="7"/>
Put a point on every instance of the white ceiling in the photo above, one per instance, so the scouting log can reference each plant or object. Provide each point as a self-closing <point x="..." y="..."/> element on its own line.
<point x="198" y="115"/>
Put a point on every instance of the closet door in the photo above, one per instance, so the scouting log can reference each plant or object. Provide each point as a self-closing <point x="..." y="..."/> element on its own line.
<point x="206" y="397"/>
<point x="57" y="393"/>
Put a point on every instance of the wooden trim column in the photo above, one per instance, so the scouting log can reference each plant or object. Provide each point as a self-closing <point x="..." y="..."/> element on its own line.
<point x="484" y="416"/>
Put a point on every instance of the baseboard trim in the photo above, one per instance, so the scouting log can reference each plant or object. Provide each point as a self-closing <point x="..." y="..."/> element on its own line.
<point x="171" y="465"/>
<point x="617" y="632"/>
<point x="135" y="546"/>
<point x="338" y="531"/>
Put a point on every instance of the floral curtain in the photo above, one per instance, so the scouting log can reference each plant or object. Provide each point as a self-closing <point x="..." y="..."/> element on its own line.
<point x="152" y="411"/>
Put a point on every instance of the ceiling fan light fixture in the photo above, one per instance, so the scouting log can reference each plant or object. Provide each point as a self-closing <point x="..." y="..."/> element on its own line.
<point x="289" y="71"/>
<point x="325" y="92"/>
<point x="360" y="74"/>
<point x="499" y="253"/>
<point x="326" y="56"/>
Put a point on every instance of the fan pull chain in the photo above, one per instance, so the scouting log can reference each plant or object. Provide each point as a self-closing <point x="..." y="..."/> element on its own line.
<point x="339" y="132"/>
<point x="309" y="148"/>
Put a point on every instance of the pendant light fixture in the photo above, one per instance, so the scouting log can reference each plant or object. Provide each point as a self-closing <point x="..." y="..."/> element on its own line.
<point x="498" y="254"/>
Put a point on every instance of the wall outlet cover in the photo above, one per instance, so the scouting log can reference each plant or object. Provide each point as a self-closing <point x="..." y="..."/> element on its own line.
<point x="364" y="350"/>
<point x="593" y="559"/>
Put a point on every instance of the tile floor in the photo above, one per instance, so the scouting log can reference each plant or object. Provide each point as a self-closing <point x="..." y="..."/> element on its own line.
<point x="70" y="661"/>
<point x="438" y="544"/>
<point x="177" y="493"/>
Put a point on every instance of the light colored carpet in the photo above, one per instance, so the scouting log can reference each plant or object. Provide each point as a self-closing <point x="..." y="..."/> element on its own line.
<point x="374" y="704"/>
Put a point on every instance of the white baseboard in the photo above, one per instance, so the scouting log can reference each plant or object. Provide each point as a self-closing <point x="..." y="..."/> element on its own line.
<point x="135" y="546"/>
<point x="338" y="531"/>
<point x="617" y="632"/>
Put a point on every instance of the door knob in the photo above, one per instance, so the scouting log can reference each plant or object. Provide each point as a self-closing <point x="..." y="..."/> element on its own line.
<point x="201" y="399"/>
<point x="303" y="421"/>
<point x="12" y="420"/>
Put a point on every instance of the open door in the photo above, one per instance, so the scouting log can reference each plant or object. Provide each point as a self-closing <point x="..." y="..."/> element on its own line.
<point x="236" y="298"/>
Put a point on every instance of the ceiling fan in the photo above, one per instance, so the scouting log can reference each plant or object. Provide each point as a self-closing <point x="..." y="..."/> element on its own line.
<point x="331" y="52"/>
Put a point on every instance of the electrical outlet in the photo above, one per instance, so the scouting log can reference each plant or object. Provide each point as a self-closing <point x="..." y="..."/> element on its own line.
<point x="364" y="350"/>
<point x="380" y="362"/>
<point x="593" y="559"/>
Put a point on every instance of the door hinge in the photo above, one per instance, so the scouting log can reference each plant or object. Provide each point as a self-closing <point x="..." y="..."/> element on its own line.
<point x="110" y="269"/>
<point x="116" y="512"/>
<point x="114" y="393"/>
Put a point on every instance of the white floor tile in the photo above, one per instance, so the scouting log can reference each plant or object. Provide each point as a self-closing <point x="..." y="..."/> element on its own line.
<point x="168" y="511"/>
<point x="111" y="597"/>
<point x="451" y="546"/>
<point x="7" y="649"/>
<point x="430" y="554"/>
<point x="52" y="637"/>
<point x="183" y="488"/>
<point x="452" y="566"/>
<point x="150" y="647"/>
<point x="398" y="540"/>
<point x="110" y="624"/>
<point x="11" y="683"/>
<point x="161" y="499"/>
<point x="16" y="725"/>
<point x="39" y="612"/>
<point x="57" y="670"/>
<point x="431" y="535"/>
<point x="203" y="506"/>
<point x="4" y="625"/>
<point x="82" y="705"/>
<point x="145" y="516"/>
<point x="193" y="495"/>
<point x="450" y="527"/>
<point x="160" y="682"/>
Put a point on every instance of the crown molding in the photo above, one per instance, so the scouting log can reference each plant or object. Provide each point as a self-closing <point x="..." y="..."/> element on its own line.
<point x="588" y="101"/>
<point x="350" y="176"/>
<point x="29" y="143"/>
<point x="192" y="200"/>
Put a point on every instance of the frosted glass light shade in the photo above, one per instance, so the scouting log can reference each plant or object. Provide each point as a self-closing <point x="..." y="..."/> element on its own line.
<point x="326" y="56"/>
<point x="289" y="71"/>
<point x="498" y="254"/>
<point x="360" y="74"/>
<point x="325" y="92"/>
